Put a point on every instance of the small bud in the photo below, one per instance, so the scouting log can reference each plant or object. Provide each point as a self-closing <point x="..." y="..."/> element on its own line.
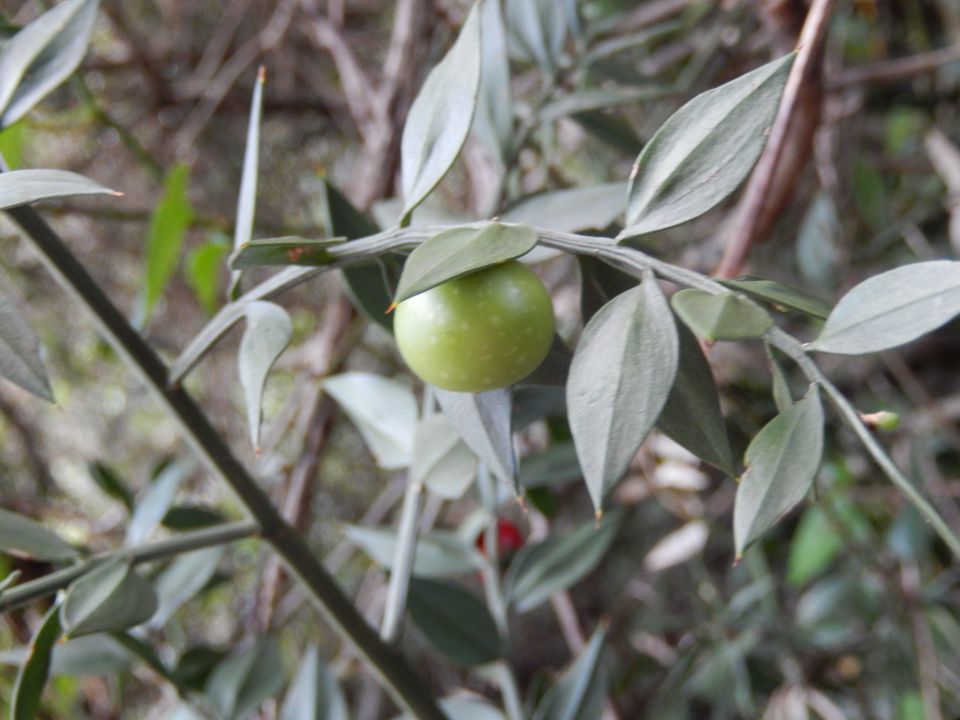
<point x="882" y="420"/>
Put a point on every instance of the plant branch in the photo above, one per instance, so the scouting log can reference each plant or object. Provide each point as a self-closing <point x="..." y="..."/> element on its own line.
<point x="746" y="230"/>
<point x="336" y="607"/>
<point x="185" y="542"/>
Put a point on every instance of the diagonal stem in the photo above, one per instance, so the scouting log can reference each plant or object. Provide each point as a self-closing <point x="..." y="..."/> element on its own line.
<point x="392" y="669"/>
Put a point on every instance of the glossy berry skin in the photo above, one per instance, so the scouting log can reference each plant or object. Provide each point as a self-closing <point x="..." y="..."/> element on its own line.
<point x="479" y="332"/>
<point x="509" y="539"/>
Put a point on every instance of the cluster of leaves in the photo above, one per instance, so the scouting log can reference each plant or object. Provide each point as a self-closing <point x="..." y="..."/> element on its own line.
<point x="637" y="365"/>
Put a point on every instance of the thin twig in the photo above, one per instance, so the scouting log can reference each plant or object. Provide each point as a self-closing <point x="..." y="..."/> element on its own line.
<point x="893" y="70"/>
<point x="745" y="232"/>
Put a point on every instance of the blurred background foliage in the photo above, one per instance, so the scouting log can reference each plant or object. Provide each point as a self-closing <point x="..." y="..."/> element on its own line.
<point x="848" y="609"/>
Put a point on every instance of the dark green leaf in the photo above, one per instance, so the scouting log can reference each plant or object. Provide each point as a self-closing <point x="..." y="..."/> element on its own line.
<point x="20" y="361"/>
<point x="704" y="150"/>
<point x="455" y="621"/>
<point x="439" y="553"/>
<point x="182" y="579"/>
<point x="460" y="251"/>
<point x="782" y="461"/>
<point x="780" y="295"/>
<point x="42" y="55"/>
<point x="533" y="402"/>
<point x="593" y="207"/>
<point x="110" y="482"/>
<point x="24" y="538"/>
<point x="691" y="415"/>
<point x="244" y="680"/>
<point x="439" y="119"/>
<point x="539" y="570"/>
<point x="33" y="674"/>
<point x="582" y="689"/>
<point x="622" y="372"/>
<point x="892" y="308"/>
<point x="19" y="187"/>
<point x="110" y="597"/>
<point x="599" y="284"/>
<point x="314" y="693"/>
<point x="203" y="271"/>
<point x="384" y="411"/>
<point x="168" y="225"/>
<point x="441" y="460"/>
<point x="191" y="517"/>
<point x="298" y="251"/>
<point x="267" y="335"/>
<point x="247" y="201"/>
<point x="555" y="367"/>
<point x="556" y="465"/>
<point x="723" y="316"/>
<point x="484" y="422"/>
<point x="782" y="395"/>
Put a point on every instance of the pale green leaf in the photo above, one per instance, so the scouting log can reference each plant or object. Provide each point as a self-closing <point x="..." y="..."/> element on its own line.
<point x="441" y="460"/>
<point x="723" y="316"/>
<point x="19" y="187"/>
<point x="168" y="225"/>
<point x="485" y="424"/>
<point x="582" y="689"/>
<point x="439" y="553"/>
<point x="314" y="693"/>
<point x="267" y="335"/>
<point x="24" y="538"/>
<point x="110" y="597"/>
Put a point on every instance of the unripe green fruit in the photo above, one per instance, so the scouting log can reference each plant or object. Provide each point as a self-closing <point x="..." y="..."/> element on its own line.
<point x="479" y="332"/>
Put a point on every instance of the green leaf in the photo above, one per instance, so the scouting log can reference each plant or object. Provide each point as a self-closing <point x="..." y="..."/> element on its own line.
<point x="314" y="693"/>
<point x="267" y="335"/>
<point x="780" y="295"/>
<point x="722" y="316"/>
<point x="203" y="271"/>
<point x="370" y="285"/>
<point x="384" y="411"/>
<point x="703" y="152"/>
<point x="782" y="395"/>
<point x="556" y="465"/>
<point x="460" y="251"/>
<point x="241" y="683"/>
<point x="587" y="100"/>
<point x="247" y="200"/>
<point x="42" y="55"/>
<point x="19" y="187"/>
<point x="153" y="503"/>
<point x="910" y="706"/>
<point x="600" y="283"/>
<point x="455" y="621"/>
<point x="33" y="674"/>
<point x="622" y="372"/>
<point x="110" y="597"/>
<point x="20" y="361"/>
<point x="892" y="308"/>
<point x="484" y="422"/>
<point x="818" y="255"/>
<point x="183" y="579"/>
<point x="582" y="689"/>
<point x="691" y="416"/>
<point x="541" y="569"/>
<point x="439" y="553"/>
<point x="782" y="461"/>
<point x="439" y="119"/>
<point x="88" y="655"/>
<point x="592" y="207"/>
<point x="814" y="546"/>
<point x="110" y="482"/>
<point x="537" y="30"/>
<point x="24" y="538"/>
<point x="493" y="122"/>
<point x="465" y="707"/>
<point x="13" y="139"/>
<point x="441" y="460"/>
<point x="9" y="581"/>
<point x="554" y="369"/>
<point x="292" y="250"/>
<point x="191" y="517"/>
<point x="168" y="224"/>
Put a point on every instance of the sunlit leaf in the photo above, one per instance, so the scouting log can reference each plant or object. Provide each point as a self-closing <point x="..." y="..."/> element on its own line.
<point x="704" y="151"/>
<point x="168" y="225"/>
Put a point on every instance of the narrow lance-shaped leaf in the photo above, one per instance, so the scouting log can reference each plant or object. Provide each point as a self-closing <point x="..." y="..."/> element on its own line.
<point x="691" y="415"/>
<point x="484" y="422"/>
<point x="621" y="375"/>
<point x="780" y="296"/>
<point x="493" y="123"/>
<point x="460" y="251"/>
<point x="782" y="396"/>
<point x="247" y="202"/>
<point x="439" y="553"/>
<point x="24" y="538"/>
<point x="704" y="150"/>
<point x="184" y="578"/>
<point x="168" y="224"/>
<point x="268" y="333"/>
<point x="782" y="461"/>
<point x="42" y="55"/>
<point x="314" y="693"/>
<point x="239" y="684"/>
<point x="722" y="316"/>
<point x="20" y="352"/>
<point x="33" y="674"/>
<point x="439" y="119"/>
<point x="153" y="503"/>
<point x="455" y="621"/>
<point x="582" y="689"/>
<point x="19" y="187"/>
<point x="110" y="597"/>
<point x="892" y="308"/>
